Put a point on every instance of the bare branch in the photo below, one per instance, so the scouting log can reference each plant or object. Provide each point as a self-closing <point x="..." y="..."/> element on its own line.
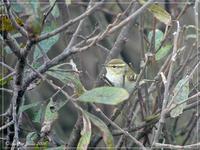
<point x="70" y="22"/>
<point x="192" y="146"/>
<point x="98" y="110"/>
<point x="6" y="125"/>
<point x="167" y="85"/>
<point x="12" y="43"/>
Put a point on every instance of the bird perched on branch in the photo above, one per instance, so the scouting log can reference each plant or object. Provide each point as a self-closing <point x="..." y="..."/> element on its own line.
<point x="120" y="74"/>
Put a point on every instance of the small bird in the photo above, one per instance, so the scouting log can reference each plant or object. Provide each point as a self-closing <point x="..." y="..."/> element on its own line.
<point x="120" y="74"/>
<point x="34" y="25"/>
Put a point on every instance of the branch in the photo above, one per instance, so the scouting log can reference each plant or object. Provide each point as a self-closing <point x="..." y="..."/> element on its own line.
<point x="14" y="22"/>
<point x="186" y="100"/>
<point x="131" y="17"/>
<point x="12" y="43"/>
<point x="169" y="146"/>
<point x="17" y="92"/>
<point x="98" y="110"/>
<point x="187" y="78"/>
<point x="7" y="66"/>
<point x="70" y="22"/>
<point x="155" y="120"/>
<point x="67" y="52"/>
<point x="167" y="85"/>
<point x="74" y="38"/>
<point x="121" y="40"/>
<point x="6" y="125"/>
<point x="6" y="90"/>
<point x="48" y="12"/>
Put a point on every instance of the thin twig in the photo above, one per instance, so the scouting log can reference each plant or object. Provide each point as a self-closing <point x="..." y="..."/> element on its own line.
<point x="167" y="85"/>
<point x="5" y="65"/>
<point x="48" y="12"/>
<point x="187" y="78"/>
<point x="98" y="110"/>
<point x="117" y="47"/>
<point x="6" y="125"/>
<point x="74" y="38"/>
<point x="70" y="22"/>
<point x="45" y="56"/>
<point x="169" y="146"/>
<point x="12" y="43"/>
<point x="189" y="133"/>
<point x="6" y="90"/>
<point x="131" y="17"/>
<point x="186" y="100"/>
<point x="12" y="18"/>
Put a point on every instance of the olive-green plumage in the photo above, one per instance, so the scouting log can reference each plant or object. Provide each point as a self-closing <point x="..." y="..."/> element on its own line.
<point x="120" y="74"/>
<point x="34" y="25"/>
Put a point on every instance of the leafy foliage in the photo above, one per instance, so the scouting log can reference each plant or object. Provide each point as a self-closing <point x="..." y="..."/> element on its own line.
<point x="85" y="133"/>
<point x="26" y="107"/>
<point x="160" y="13"/>
<point x="48" y="43"/>
<point x="31" y="138"/>
<point x="107" y="136"/>
<point x="55" y="12"/>
<point x="42" y="122"/>
<point x="105" y="95"/>
<point x="6" y="24"/>
<point x="181" y="92"/>
<point x="165" y="49"/>
<point x="67" y="76"/>
<point x="4" y="82"/>
<point x="51" y="114"/>
<point x="158" y="37"/>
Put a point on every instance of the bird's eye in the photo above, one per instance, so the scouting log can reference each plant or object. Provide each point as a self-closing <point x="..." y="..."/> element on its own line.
<point x="114" y="66"/>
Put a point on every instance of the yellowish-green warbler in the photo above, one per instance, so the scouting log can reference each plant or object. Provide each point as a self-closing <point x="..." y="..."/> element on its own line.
<point x="120" y="74"/>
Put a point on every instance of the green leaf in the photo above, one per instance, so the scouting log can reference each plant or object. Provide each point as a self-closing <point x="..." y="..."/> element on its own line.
<point x="3" y="82"/>
<point x="48" y="43"/>
<point x="55" y="12"/>
<point x="67" y="78"/>
<point x="51" y="114"/>
<point x="7" y="50"/>
<point x="39" y="114"/>
<point x="163" y="51"/>
<point x="26" y="107"/>
<point x="158" y="37"/>
<point x="85" y="133"/>
<point x="37" y="64"/>
<point x="6" y="24"/>
<point x="31" y="138"/>
<point x="105" y="95"/>
<point x="106" y="134"/>
<point x="181" y="92"/>
<point x="159" y="12"/>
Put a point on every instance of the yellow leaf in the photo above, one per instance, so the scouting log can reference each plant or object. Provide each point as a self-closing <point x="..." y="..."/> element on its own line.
<point x="158" y="12"/>
<point x="6" y="24"/>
